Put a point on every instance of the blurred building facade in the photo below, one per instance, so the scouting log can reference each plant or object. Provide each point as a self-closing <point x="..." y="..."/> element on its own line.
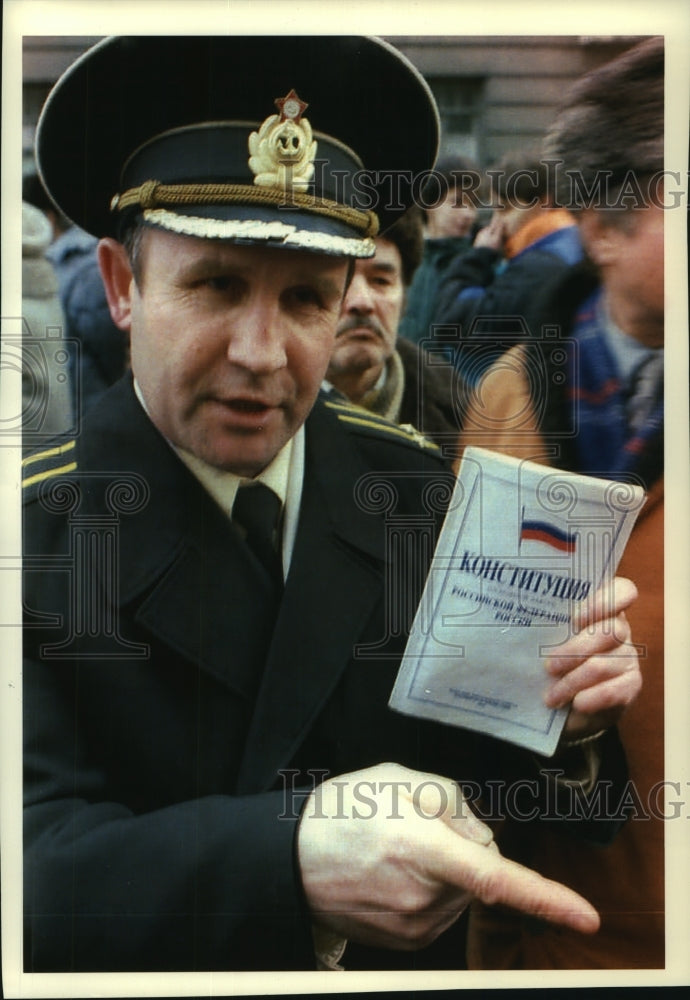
<point x="499" y="93"/>
<point x="495" y="93"/>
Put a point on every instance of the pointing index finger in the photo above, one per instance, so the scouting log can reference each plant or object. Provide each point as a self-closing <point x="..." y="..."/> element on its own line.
<point x="496" y="880"/>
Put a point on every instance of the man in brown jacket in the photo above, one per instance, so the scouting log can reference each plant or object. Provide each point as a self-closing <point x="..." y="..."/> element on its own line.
<point x="375" y="367"/>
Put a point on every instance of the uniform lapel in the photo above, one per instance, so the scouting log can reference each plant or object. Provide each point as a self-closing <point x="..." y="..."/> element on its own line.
<point x="214" y="609"/>
<point x="181" y="565"/>
<point x="334" y="584"/>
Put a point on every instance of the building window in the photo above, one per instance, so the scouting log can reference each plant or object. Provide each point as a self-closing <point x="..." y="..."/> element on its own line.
<point x="459" y="102"/>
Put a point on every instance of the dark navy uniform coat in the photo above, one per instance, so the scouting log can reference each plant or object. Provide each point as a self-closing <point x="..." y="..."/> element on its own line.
<point x="169" y="740"/>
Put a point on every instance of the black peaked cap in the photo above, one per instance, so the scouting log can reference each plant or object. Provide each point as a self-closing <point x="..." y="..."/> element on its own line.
<point x="123" y="92"/>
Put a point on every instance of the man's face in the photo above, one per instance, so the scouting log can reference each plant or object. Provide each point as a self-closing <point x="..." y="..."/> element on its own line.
<point x="370" y="314"/>
<point x="451" y="217"/>
<point x="230" y="344"/>
<point x="511" y="217"/>
<point x="629" y="251"/>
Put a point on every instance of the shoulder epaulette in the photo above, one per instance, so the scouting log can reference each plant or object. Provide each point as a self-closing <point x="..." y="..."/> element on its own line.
<point x="55" y="461"/>
<point x="365" y="421"/>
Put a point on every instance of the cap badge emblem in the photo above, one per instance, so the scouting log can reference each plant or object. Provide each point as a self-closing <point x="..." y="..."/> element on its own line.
<point x="282" y="152"/>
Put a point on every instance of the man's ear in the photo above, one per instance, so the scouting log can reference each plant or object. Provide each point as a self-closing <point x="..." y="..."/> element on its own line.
<point x="601" y="240"/>
<point x="118" y="281"/>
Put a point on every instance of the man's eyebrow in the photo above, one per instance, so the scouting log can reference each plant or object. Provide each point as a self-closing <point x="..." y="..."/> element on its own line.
<point x="324" y="283"/>
<point x="327" y="285"/>
<point x="211" y="264"/>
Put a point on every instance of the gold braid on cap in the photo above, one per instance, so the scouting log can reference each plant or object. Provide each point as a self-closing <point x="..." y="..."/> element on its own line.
<point x="152" y="194"/>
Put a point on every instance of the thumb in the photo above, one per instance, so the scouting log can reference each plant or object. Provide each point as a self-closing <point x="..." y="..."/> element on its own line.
<point x="444" y="799"/>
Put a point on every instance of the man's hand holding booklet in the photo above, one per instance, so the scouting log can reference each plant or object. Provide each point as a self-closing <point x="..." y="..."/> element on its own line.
<point x="522" y="551"/>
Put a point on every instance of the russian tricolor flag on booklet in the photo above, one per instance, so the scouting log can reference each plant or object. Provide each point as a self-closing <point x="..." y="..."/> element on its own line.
<point x="539" y="530"/>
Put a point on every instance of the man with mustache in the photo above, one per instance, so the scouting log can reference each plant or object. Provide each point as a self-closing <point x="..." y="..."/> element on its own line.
<point x="374" y="367"/>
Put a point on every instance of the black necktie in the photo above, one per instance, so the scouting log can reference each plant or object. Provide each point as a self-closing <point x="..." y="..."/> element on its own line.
<point x="257" y="511"/>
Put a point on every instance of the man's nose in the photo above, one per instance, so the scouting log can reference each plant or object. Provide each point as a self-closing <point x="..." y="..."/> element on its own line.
<point x="256" y="338"/>
<point x="359" y="297"/>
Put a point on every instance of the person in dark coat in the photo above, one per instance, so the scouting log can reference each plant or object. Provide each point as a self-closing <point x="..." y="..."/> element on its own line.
<point x="216" y="601"/>
<point x="450" y="208"/>
<point x="485" y="300"/>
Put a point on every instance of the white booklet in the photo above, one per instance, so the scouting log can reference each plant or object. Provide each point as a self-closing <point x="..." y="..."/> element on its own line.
<point x="522" y="547"/>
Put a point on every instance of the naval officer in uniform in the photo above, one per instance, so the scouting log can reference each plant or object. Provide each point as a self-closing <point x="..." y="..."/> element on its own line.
<point x="215" y="606"/>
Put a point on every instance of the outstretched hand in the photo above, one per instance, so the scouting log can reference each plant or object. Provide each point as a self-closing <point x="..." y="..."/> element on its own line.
<point x="391" y="857"/>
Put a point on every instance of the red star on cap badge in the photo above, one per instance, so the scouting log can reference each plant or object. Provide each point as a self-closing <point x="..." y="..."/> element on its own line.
<point x="290" y="106"/>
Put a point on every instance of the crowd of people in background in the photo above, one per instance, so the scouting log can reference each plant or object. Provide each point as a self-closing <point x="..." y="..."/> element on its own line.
<point x="442" y="331"/>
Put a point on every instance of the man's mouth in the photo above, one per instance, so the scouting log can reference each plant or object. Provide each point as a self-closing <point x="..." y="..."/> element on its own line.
<point x="246" y="405"/>
<point x="360" y="330"/>
<point x="245" y="411"/>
